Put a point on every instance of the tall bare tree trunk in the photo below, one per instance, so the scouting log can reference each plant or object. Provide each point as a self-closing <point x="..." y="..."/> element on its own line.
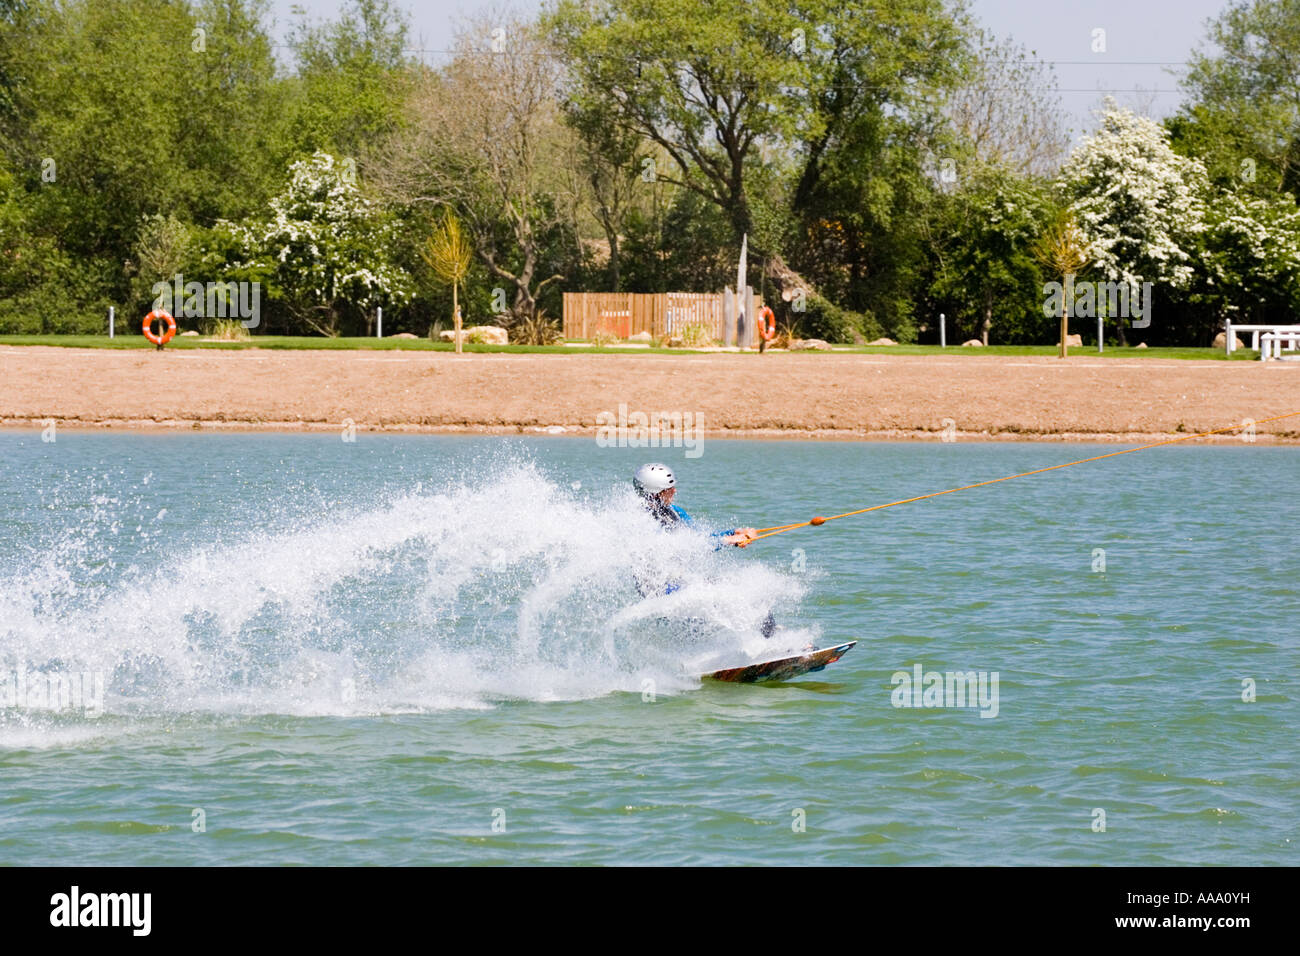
<point x="614" y="277"/>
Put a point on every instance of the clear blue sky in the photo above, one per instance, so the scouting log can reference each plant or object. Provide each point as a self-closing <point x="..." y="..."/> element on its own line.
<point x="1144" y="39"/>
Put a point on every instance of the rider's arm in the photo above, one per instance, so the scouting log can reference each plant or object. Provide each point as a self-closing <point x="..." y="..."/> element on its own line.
<point x="721" y="535"/>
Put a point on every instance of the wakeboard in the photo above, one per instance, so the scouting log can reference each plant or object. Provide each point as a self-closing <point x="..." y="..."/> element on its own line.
<point x="783" y="668"/>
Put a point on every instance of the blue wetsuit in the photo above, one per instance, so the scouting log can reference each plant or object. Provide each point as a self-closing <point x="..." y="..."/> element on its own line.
<point x="678" y="516"/>
<point x="671" y="516"/>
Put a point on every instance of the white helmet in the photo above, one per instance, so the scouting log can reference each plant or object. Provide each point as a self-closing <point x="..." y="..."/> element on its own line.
<point x="652" y="479"/>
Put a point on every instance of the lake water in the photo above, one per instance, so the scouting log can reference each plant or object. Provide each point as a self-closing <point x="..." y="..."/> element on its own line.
<point x="418" y="649"/>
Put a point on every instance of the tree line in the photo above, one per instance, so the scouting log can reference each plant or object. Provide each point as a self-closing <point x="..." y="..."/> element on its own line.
<point x="887" y="163"/>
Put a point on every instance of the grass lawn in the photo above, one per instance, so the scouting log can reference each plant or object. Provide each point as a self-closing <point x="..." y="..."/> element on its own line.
<point x="135" y="341"/>
<point x="1112" y="351"/>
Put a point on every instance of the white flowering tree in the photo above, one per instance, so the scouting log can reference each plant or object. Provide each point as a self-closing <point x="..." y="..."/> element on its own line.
<point x="1251" y="261"/>
<point x="1139" y="205"/>
<point x="324" y="249"/>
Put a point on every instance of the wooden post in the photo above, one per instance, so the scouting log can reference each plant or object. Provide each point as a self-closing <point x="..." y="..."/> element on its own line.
<point x="729" y="314"/>
<point x="743" y="336"/>
<point x="1065" y="312"/>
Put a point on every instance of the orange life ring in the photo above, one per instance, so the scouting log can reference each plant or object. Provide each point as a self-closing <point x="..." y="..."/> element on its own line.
<point x="766" y="324"/>
<point x="160" y="315"/>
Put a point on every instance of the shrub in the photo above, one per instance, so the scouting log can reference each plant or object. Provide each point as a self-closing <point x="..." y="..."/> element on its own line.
<point x="227" y="330"/>
<point x="697" y="336"/>
<point x="535" y="330"/>
<point x="823" y="319"/>
<point x="46" y="309"/>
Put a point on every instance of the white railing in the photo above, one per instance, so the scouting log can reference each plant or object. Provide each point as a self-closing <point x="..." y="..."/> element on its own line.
<point x="1271" y="344"/>
<point x="1230" y="334"/>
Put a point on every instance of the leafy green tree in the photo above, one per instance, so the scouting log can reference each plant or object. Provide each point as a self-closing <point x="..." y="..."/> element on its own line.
<point x="680" y="244"/>
<point x="118" y="113"/>
<point x="606" y="176"/>
<point x="106" y="81"/>
<point x="1243" y="114"/>
<point x="234" y="137"/>
<point x="861" y="234"/>
<point x="724" y="86"/>
<point x="14" y="21"/>
<point x="709" y="83"/>
<point x="42" y="289"/>
<point x="984" y="252"/>
<point x="351" y="79"/>
<point x="132" y="108"/>
<point x="163" y="249"/>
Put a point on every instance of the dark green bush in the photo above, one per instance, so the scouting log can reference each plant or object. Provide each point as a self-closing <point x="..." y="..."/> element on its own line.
<point x="822" y="319"/>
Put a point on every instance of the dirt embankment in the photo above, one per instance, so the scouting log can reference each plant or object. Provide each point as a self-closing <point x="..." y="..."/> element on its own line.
<point x="780" y="395"/>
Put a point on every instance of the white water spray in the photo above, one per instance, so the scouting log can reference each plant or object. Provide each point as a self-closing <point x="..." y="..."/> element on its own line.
<point x="513" y="587"/>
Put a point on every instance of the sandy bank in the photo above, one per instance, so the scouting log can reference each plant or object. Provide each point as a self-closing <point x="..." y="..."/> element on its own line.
<point x="797" y="396"/>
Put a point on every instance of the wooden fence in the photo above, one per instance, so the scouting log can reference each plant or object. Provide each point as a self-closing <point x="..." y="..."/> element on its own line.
<point x="625" y="314"/>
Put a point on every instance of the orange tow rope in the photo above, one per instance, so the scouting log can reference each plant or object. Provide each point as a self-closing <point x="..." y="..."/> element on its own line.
<point x="781" y="529"/>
